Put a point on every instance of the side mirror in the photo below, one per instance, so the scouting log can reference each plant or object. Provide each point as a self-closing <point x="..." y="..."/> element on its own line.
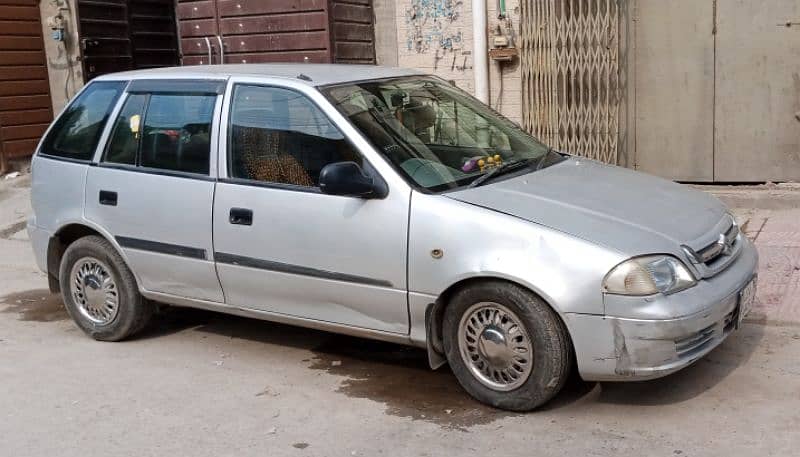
<point x="347" y="178"/>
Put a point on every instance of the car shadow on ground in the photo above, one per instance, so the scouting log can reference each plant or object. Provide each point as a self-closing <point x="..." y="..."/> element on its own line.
<point x="395" y="375"/>
<point x="399" y="376"/>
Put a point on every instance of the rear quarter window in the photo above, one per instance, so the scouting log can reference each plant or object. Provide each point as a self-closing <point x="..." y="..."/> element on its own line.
<point x="76" y="132"/>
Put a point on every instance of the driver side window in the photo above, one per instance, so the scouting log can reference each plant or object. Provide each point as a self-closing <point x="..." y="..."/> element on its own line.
<point x="279" y="136"/>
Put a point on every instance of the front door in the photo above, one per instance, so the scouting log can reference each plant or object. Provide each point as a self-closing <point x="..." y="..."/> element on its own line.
<point x="284" y="247"/>
<point x="154" y="186"/>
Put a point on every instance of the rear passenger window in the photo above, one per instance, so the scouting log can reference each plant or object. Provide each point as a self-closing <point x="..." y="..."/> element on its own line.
<point x="164" y="131"/>
<point x="124" y="143"/>
<point x="76" y="133"/>
<point x="177" y="132"/>
<point x="280" y="136"/>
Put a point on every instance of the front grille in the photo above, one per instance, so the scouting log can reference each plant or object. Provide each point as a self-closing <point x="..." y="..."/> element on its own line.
<point x="730" y="320"/>
<point x="716" y="256"/>
<point x="725" y="245"/>
<point x="695" y="342"/>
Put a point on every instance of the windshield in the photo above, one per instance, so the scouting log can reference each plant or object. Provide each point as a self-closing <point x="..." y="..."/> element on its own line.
<point x="437" y="135"/>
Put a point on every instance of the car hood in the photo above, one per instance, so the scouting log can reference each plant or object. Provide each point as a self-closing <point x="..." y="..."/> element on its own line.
<point x="631" y="212"/>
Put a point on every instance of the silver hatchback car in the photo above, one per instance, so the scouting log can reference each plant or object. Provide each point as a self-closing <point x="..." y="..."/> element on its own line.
<point x="382" y="203"/>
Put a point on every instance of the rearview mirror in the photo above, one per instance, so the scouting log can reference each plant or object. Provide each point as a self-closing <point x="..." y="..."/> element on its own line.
<point x="348" y="179"/>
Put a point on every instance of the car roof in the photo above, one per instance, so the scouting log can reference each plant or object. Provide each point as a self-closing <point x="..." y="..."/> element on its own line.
<point x="312" y="74"/>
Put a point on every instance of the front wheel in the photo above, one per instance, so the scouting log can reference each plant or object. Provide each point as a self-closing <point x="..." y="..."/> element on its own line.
<point x="506" y="346"/>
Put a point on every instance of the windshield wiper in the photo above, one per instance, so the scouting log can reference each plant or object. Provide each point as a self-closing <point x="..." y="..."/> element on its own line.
<point x="540" y="163"/>
<point x="501" y="169"/>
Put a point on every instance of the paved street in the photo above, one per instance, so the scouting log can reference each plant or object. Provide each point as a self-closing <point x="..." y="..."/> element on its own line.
<point x="204" y="384"/>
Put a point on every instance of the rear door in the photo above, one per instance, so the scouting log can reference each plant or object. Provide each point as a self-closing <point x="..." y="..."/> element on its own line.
<point x="284" y="247"/>
<point x="154" y="185"/>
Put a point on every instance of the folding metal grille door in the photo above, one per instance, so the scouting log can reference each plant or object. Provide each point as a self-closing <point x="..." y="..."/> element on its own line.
<point x="570" y="74"/>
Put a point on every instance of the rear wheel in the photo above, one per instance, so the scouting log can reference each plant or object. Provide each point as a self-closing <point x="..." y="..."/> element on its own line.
<point x="100" y="292"/>
<point x="506" y="346"/>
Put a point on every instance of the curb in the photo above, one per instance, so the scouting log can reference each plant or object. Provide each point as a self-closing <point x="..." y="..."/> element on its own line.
<point x="767" y="196"/>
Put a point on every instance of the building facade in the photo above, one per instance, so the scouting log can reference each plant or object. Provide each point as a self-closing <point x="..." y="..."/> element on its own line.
<point x="692" y="90"/>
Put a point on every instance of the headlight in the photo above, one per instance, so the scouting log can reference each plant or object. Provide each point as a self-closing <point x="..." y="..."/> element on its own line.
<point x="648" y="275"/>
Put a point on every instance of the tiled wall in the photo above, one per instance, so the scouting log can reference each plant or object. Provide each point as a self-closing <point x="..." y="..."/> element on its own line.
<point x="436" y="36"/>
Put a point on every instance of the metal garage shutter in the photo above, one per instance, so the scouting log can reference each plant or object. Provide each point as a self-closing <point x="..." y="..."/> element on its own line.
<point x="25" y="105"/>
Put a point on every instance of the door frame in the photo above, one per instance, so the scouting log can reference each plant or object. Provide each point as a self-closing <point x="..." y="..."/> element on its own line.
<point x="394" y="181"/>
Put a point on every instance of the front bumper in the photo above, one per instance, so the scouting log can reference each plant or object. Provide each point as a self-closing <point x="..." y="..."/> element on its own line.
<point x="634" y="348"/>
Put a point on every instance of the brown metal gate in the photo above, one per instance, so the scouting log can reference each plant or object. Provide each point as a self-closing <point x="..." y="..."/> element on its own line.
<point x="25" y="106"/>
<point x="570" y="82"/>
<point x="118" y="35"/>
<point x="255" y="31"/>
<point x="352" y="31"/>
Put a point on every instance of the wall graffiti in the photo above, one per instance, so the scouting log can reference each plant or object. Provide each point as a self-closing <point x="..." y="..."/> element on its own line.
<point x="432" y="25"/>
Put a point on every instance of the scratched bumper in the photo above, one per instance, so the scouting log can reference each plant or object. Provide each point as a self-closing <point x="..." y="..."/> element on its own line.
<point x="632" y="347"/>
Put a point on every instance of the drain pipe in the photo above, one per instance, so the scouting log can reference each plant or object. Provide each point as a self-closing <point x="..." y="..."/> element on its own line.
<point x="480" y="50"/>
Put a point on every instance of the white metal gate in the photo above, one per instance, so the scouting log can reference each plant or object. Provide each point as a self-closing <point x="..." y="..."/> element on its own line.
<point x="570" y="74"/>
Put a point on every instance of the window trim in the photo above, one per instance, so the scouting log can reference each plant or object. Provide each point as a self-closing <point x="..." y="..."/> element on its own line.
<point x="64" y="159"/>
<point x="142" y="123"/>
<point x="196" y="86"/>
<point x="213" y="152"/>
<point x="107" y="146"/>
<point x="100" y="139"/>
<point x="155" y="171"/>
<point x="271" y="185"/>
<point x="368" y="167"/>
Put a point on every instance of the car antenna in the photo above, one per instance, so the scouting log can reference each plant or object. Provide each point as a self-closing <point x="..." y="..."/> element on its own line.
<point x="303" y="77"/>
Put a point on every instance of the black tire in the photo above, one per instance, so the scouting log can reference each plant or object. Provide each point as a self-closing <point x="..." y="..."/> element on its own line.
<point x="552" y="349"/>
<point x="134" y="311"/>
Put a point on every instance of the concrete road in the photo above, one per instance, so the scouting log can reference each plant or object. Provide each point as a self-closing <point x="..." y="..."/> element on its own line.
<point x="204" y="384"/>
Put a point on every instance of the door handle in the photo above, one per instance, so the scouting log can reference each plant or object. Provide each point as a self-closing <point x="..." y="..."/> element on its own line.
<point x="108" y="198"/>
<point x="221" y="50"/>
<point x="87" y="43"/>
<point x="240" y="216"/>
<point x="208" y="46"/>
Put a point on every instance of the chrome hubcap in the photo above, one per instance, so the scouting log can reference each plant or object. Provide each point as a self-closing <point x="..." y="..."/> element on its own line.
<point x="94" y="291"/>
<point x="495" y="346"/>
